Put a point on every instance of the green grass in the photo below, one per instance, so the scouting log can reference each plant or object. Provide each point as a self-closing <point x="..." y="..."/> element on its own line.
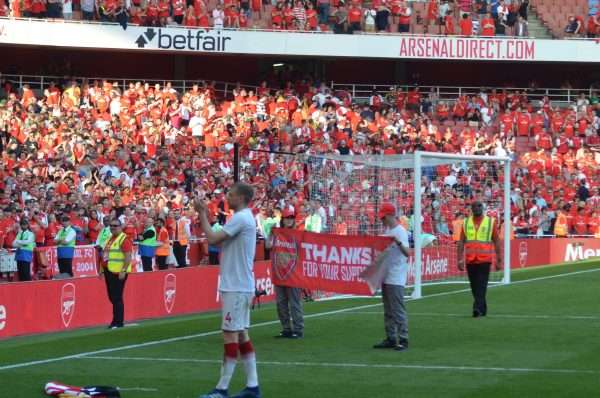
<point x="539" y="340"/>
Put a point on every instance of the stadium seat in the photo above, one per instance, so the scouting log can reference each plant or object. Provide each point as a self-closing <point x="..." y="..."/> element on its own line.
<point x="543" y="10"/>
<point x="417" y="29"/>
<point x="449" y="123"/>
<point x="433" y="29"/>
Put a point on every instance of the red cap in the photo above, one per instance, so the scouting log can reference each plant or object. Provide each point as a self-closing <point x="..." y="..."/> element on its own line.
<point x="386" y="209"/>
<point x="288" y="213"/>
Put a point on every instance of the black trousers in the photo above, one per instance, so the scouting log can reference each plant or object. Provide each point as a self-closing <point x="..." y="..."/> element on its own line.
<point x="147" y="263"/>
<point x="479" y="274"/>
<point x="115" y="288"/>
<point x="179" y="253"/>
<point x="161" y="262"/>
<point x="65" y="266"/>
<point x="213" y="258"/>
<point x="24" y="270"/>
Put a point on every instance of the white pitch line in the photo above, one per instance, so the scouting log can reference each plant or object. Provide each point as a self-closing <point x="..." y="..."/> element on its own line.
<point x="193" y="336"/>
<point x="465" y="315"/>
<point x="357" y="365"/>
<point x="145" y="389"/>
<point x="171" y="340"/>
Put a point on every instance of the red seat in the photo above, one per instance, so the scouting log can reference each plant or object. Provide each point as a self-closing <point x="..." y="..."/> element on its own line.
<point x="417" y="29"/>
<point x="433" y="29"/>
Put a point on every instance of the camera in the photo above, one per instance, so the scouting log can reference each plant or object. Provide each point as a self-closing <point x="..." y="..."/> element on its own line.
<point x="258" y="293"/>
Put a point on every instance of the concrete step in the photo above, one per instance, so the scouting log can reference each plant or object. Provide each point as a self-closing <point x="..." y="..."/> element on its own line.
<point x="536" y="28"/>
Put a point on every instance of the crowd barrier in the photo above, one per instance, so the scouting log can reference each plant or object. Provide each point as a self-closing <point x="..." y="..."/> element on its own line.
<point x="63" y="304"/>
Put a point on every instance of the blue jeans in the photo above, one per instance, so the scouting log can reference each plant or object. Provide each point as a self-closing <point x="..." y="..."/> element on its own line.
<point x="324" y="13"/>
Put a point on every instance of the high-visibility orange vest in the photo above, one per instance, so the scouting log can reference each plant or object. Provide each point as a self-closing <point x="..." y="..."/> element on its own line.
<point x="561" y="226"/>
<point x="181" y="237"/>
<point x="479" y="247"/>
<point x="404" y="222"/>
<point x="456" y="228"/>
<point x="511" y="231"/>
<point x="165" y="248"/>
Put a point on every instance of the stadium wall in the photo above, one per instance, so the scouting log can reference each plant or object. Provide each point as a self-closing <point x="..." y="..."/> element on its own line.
<point x="57" y="305"/>
<point x="217" y="41"/>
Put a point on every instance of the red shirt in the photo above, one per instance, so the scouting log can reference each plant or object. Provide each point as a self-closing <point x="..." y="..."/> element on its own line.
<point x="466" y="27"/>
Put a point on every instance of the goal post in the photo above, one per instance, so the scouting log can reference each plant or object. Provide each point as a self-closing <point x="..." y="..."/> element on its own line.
<point x="348" y="190"/>
<point x="422" y="158"/>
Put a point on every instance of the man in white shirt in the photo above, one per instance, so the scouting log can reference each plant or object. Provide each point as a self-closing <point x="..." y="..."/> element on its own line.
<point x="237" y="287"/>
<point x="197" y="124"/>
<point x="392" y="288"/>
<point x="111" y="166"/>
<point x="450" y="179"/>
<point x="218" y="16"/>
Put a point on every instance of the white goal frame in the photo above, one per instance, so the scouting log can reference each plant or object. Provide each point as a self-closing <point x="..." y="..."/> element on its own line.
<point x="421" y="159"/>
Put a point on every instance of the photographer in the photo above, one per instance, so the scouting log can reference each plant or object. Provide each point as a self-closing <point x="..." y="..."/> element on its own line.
<point x="288" y="298"/>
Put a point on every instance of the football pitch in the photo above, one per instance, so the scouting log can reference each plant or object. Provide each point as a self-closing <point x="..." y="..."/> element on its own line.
<point x="540" y="339"/>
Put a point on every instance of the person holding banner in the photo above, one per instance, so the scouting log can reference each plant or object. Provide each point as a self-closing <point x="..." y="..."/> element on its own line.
<point x="115" y="264"/>
<point x="392" y="288"/>
<point x="238" y="239"/>
<point x="24" y="242"/>
<point x="288" y="298"/>
<point x="147" y="244"/>
<point x="478" y="240"/>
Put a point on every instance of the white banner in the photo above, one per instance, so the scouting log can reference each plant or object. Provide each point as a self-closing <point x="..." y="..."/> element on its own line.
<point x="62" y="34"/>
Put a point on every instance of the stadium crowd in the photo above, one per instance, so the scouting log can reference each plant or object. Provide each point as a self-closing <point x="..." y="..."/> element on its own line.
<point x="446" y="17"/>
<point x="96" y="150"/>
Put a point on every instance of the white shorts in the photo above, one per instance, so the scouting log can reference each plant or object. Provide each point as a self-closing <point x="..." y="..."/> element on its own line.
<point x="235" y="310"/>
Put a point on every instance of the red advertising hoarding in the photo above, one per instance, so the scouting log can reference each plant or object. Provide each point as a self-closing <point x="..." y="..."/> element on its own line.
<point x="55" y="305"/>
<point x="534" y="252"/>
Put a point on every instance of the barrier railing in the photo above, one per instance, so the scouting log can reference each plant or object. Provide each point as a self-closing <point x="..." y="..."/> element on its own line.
<point x="359" y="91"/>
<point x="559" y="96"/>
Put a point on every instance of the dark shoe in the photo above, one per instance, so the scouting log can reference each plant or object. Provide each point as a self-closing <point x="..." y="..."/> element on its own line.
<point x="216" y="393"/>
<point x="296" y="335"/>
<point x="402" y="345"/>
<point x="248" y="392"/>
<point x="476" y="313"/>
<point x="387" y="343"/>
<point x="286" y="334"/>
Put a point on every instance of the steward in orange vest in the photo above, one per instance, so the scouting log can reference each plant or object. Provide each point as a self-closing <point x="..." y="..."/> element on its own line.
<point x="479" y="238"/>
<point x="164" y="250"/>
<point x="561" y="226"/>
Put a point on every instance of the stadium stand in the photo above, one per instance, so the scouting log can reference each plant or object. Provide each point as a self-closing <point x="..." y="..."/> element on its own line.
<point x="358" y="17"/>
<point x="101" y="148"/>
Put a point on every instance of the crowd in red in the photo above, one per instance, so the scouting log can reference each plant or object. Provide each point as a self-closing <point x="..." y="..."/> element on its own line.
<point x="94" y="150"/>
<point x="446" y="17"/>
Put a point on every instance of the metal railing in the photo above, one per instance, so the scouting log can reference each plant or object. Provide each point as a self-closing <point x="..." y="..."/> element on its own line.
<point x="558" y="96"/>
<point x="39" y="83"/>
<point x="360" y="92"/>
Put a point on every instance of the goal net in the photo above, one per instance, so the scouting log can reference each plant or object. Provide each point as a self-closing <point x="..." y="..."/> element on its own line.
<point x="349" y="189"/>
